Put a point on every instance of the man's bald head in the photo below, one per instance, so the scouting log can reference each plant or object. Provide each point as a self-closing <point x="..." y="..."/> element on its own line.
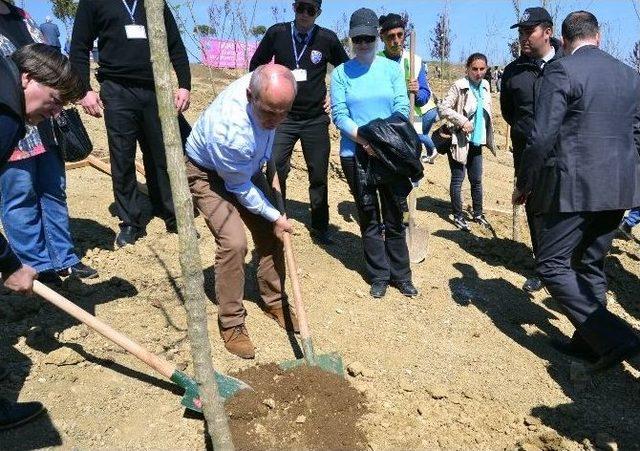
<point x="272" y="90"/>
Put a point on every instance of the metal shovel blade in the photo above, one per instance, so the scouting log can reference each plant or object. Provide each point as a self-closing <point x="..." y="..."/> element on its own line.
<point x="331" y="363"/>
<point x="417" y="242"/>
<point x="227" y="387"/>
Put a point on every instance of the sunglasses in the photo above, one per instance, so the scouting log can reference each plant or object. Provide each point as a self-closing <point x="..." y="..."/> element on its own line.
<point x="310" y="10"/>
<point x="363" y="39"/>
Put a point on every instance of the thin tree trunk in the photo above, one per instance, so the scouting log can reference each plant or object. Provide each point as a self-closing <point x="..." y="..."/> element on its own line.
<point x="190" y="261"/>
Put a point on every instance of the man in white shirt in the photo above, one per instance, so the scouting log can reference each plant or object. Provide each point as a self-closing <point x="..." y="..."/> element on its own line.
<point x="228" y="148"/>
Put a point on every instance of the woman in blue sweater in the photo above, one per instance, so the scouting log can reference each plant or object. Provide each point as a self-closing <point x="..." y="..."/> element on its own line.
<point x="365" y="88"/>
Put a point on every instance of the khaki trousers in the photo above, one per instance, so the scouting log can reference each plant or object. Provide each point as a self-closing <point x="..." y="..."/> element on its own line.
<point x="225" y="217"/>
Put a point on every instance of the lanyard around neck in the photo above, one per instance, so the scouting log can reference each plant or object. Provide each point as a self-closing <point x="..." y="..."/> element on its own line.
<point x="295" y="49"/>
<point x="132" y="10"/>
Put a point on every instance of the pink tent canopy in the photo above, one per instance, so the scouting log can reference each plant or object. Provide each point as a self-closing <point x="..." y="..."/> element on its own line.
<point x="227" y="54"/>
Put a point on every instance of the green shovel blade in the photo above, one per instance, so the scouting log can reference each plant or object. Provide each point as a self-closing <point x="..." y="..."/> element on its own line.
<point x="328" y="362"/>
<point x="227" y="387"/>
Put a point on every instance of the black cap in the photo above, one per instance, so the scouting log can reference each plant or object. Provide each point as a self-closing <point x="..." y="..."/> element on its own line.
<point x="533" y="16"/>
<point x="363" y="22"/>
<point x="391" y="21"/>
<point x="317" y="2"/>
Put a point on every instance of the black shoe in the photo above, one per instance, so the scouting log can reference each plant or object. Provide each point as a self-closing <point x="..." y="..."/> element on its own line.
<point x="532" y="284"/>
<point x="461" y="223"/>
<point x="322" y="237"/>
<point x="575" y="348"/>
<point x="128" y="235"/>
<point x="624" y="231"/>
<point x="378" y="289"/>
<point x="13" y="414"/>
<point x="616" y="356"/>
<point x="406" y="288"/>
<point x="79" y="270"/>
<point x="50" y="278"/>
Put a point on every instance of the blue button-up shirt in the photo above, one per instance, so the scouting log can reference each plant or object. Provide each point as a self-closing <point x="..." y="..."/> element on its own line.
<point x="228" y="139"/>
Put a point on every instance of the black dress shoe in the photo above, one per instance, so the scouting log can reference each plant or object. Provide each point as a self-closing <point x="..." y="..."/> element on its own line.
<point x="532" y="284"/>
<point x="79" y="270"/>
<point x="406" y="288"/>
<point x="616" y="356"/>
<point x="14" y="414"/>
<point x="50" y="278"/>
<point x="574" y="348"/>
<point x="378" y="289"/>
<point x="128" y="235"/>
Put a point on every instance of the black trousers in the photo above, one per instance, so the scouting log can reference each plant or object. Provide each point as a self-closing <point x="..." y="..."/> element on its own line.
<point x="458" y="170"/>
<point x="532" y="219"/>
<point x="570" y="261"/>
<point x="386" y="256"/>
<point x="131" y="115"/>
<point x="314" y="135"/>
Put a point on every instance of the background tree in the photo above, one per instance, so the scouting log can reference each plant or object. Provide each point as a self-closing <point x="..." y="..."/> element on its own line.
<point x="65" y="12"/>
<point x="204" y="30"/>
<point x="441" y="38"/>
<point x="258" y="31"/>
<point x="634" y="57"/>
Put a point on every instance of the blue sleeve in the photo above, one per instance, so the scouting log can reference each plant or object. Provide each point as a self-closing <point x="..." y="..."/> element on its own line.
<point x="234" y="167"/>
<point x="400" y="97"/>
<point x="424" y="93"/>
<point x="339" y="108"/>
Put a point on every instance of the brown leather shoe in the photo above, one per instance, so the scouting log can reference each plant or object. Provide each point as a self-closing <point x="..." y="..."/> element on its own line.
<point x="236" y="340"/>
<point x="284" y="316"/>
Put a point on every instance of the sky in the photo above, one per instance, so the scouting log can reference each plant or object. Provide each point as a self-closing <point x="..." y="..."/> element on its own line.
<point x="477" y="25"/>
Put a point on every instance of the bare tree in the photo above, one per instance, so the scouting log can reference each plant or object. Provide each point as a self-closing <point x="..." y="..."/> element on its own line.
<point x="190" y="261"/>
<point x="634" y="57"/>
<point x="65" y="11"/>
<point x="636" y="7"/>
<point x="610" y="41"/>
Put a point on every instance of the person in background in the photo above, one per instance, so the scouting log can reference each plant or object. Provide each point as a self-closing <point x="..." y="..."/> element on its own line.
<point x="631" y="220"/>
<point x="365" y="88"/>
<point x="520" y="82"/>
<point x="468" y="107"/>
<point x="33" y="183"/>
<point x="35" y="83"/>
<point x="393" y="33"/>
<point x="51" y="33"/>
<point x="307" y="49"/>
<point x="227" y="150"/>
<point x="581" y="167"/>
<point x="128" y="92"/>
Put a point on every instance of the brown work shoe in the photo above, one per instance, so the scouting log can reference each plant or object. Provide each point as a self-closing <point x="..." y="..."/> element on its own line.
<point x="284" y="316"/>
<point x="236" y="340"/>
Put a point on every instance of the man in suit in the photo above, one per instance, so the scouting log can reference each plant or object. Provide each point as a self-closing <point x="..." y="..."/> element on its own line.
<point x="581" y="170"/>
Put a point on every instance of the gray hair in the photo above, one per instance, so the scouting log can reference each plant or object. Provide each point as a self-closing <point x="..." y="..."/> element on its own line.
<point x="261" y="76"/>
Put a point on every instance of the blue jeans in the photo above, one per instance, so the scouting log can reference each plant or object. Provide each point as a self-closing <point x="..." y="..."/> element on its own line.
<point x="34" y="211"/>
<point x="428" y="119"/>
<point x="633" y="217"/>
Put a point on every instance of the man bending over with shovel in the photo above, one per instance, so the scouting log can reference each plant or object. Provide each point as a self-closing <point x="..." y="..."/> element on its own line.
<point x="227" y="151"/>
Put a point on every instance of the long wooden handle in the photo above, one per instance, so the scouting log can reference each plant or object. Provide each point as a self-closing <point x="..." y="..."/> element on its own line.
<point x="160" y="365"/>
<point x="412" y="73"/>
<point x="301" y="313"/>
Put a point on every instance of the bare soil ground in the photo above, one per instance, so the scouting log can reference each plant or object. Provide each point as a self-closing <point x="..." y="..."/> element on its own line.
<point x="464" y="365"/>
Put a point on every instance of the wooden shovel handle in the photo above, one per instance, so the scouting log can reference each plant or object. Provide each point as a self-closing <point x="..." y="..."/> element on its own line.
<point x="412" y="74"/>
<point x="301" y="313"/>
<point x="160" y="365"/>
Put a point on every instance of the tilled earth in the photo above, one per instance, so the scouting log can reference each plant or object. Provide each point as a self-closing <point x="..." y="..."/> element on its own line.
<point x="466" y="364"/>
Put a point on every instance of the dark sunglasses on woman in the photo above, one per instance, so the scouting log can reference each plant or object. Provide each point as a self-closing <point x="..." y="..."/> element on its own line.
<point x="361" y="39"/>
<point x="310" y="10"/>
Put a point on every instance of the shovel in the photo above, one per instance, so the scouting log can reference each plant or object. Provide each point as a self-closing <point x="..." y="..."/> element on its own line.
<point x="227" y="385"/>
<point x="417" y="237"/>
<point x="328" y="362"/>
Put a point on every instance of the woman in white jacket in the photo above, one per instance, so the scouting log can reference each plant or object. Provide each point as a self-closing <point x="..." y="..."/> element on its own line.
<point x="467" y="107"/>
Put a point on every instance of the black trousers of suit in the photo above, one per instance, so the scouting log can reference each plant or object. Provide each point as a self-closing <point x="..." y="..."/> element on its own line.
<point x="314" y="135"/>
<point x="572" y="248"/>
<point x="532" y="219"/>
<point x="386" y="256"/>
<point x="131" y="115"/>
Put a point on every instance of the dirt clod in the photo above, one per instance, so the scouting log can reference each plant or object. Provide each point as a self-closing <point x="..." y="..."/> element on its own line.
<point x="355" y="369"/>
<point x="62" y="357"/>
<point x="324" y="407"/>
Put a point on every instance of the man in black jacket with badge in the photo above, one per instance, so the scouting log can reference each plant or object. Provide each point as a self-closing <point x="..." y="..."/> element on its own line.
<point x="130" y="106"/>
<point x="35" y="83"/>
<point x="520" y="79"/>
<point x="581" y="168"/>
<point x="306" y="49"/>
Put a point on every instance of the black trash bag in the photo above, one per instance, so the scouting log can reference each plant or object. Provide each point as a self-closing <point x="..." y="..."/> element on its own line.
<point x="397" y="147"/>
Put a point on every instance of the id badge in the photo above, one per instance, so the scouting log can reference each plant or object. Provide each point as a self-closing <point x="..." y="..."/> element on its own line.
<point x="300" y="74"/>
<point x="135" y="32"/>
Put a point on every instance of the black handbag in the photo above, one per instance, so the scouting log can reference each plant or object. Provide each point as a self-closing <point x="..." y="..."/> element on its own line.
<point x="71" y="136"/>
<point x="441" y="138"/>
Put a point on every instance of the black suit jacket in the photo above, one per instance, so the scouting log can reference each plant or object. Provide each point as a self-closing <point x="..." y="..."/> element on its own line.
<point x="584" y="151"/>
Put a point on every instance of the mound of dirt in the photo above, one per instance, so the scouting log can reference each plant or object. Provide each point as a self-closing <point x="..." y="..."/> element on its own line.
<point x="303" y="408"/>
